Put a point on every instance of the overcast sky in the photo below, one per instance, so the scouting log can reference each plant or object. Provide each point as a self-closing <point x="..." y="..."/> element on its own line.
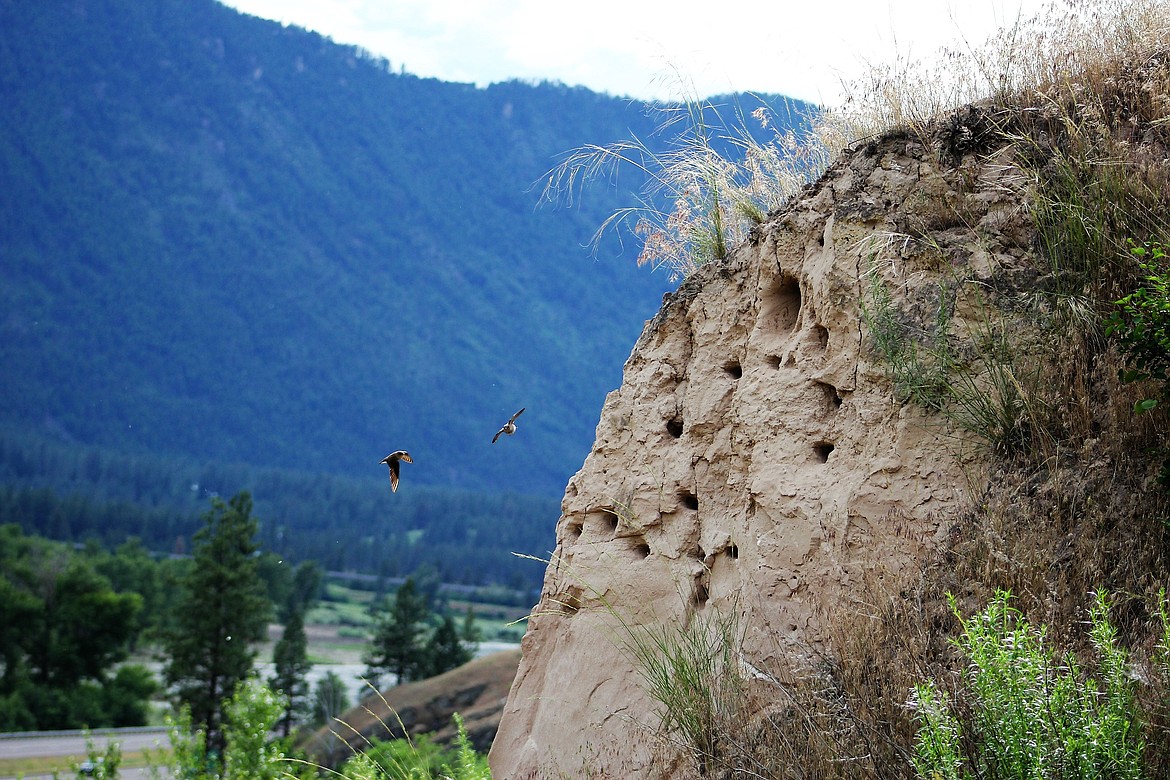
<point x="637" y="48"/>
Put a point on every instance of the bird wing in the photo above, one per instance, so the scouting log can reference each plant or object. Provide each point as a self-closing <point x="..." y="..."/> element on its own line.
<point x="501" y="430"/>
<point x="392" y="460"/>
<point x="516" y="415"/>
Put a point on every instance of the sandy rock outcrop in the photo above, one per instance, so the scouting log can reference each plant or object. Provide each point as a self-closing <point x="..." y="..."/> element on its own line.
<point x="754" y="458"/>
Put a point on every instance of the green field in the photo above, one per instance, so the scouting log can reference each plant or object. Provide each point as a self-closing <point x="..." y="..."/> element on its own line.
<point x="339" y="626"/>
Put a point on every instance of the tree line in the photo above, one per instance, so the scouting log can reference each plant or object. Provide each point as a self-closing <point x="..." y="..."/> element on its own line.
<point x="74" y="493"/>
<point x="70" y="618"/>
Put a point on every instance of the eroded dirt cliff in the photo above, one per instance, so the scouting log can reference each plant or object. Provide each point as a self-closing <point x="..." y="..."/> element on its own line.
<point x="755" y="460"/>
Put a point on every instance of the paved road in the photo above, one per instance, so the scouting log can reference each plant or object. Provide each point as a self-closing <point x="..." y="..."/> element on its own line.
<point x="72" y="744"/>
<point x="123" y="773"/>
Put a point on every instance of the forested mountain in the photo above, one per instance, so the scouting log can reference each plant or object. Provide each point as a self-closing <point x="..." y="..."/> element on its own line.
<point x="231" y="241"/>
<point x="81" y="494"/>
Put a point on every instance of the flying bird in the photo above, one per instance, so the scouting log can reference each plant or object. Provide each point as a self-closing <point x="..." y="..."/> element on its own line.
<point x="391" y="460"/>
<point x="509" y="427"/>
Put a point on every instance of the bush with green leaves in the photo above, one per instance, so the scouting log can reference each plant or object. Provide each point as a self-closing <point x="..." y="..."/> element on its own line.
<point x="101" y="763"/>
<point x="250" y="715"/>
<point x="251" y="753"/>
<point x="419" y="759"/>
<point x="1141" y="326"/>
<point x="1022" y="712"/>
<point x="1141" y="323"/>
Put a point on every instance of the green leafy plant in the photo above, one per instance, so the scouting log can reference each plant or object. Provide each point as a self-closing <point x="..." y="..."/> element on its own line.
<point x="1031" y="714"/>
<point x="249" y="719"/>
<point x="1141" y="324"/>
<point x="938" y="752"/>
<point x="419" y="759"/>
<point x="100" y="764"/>
<point x="250" y="715"/>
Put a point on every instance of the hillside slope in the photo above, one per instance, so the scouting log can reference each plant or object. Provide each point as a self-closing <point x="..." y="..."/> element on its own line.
<point x="230" y="240"/>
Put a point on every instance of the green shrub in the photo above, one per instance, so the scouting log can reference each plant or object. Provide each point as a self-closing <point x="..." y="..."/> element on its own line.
<point x="1141" y="326"/>
<point x="1141" y="323"/>
<point x="250" y="715"/>
<point x="101" y="764"/>
<point x="1031" y="715"/>
<point x="419" y="759"/>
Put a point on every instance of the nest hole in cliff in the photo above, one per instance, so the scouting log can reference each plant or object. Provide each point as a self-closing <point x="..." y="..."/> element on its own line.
<point x="733" y="369"/>
<point x="832" y="397"/>
<point x="820" y="336"/>
<point x="609" y="521"/>
<point x="780" y="304"/>
<point x="732" y="552"/>
<point x="689" y="499"/>
<point x="574" y="528"/>
<point x="822" y="450"/>
<point x="674" y="427"/>
<point x="640" y="548"/>
<point x="702" y="592"/>
<point x="698" y="553"/>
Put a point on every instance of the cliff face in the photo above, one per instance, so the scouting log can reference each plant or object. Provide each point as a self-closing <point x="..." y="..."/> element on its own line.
<point x="754" y="460"/>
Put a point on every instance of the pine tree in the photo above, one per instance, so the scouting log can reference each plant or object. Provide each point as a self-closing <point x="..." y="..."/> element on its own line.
<point x="291" y="658"/>
<point x="329" y="698"/>
<point x="445" y="649"/>
<point x="469" y="632"/>
<point x="397" y="646"/>
<point x="222" y="610"/>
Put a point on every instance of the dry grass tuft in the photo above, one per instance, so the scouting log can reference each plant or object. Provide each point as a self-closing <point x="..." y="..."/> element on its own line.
<point x="709" y="179"/>
<point x="1071" y="47"/>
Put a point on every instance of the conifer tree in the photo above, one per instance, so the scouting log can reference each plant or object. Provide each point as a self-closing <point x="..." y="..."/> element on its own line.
<point x="445" y="650"/>
<point x="330" y="698"/>
<point x="291" y="659"/>
<point x="397" y="646"/>
<point x="469" y="632"/>
<point x="223" y="609"/>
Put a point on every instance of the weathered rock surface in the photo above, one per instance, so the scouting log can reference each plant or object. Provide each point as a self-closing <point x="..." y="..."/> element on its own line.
<point x="754" y="459"/>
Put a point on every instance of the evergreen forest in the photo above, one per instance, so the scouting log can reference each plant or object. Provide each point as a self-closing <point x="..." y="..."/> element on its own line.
<point x="235" y="241"/>
<point x="236" y="255"/>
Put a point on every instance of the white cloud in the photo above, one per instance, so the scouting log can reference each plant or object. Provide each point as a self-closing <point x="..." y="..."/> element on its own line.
<point x="802" y="49"/>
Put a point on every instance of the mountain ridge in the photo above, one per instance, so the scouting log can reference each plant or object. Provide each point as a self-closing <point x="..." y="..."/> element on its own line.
<point x="204" y="210"/>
